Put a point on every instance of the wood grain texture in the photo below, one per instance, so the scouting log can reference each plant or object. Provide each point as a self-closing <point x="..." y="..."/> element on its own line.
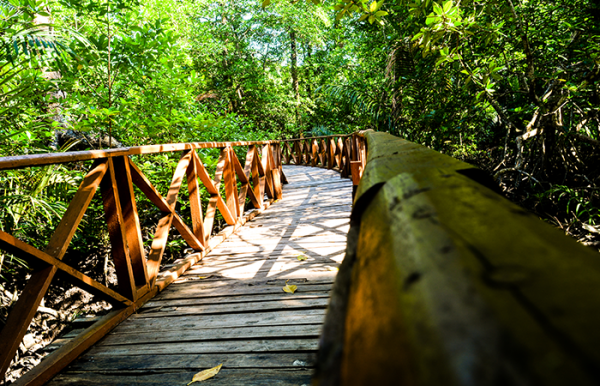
<point x="468" y="287"/>
<point x="230" y="307"/>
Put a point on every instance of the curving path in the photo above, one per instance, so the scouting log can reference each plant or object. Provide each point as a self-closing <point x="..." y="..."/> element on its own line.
<point x="230" y="307"/>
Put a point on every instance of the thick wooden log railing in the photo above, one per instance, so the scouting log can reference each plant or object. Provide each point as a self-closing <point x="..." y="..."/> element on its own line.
<point x="445" y="282"/>
<point x="115" y="174"/>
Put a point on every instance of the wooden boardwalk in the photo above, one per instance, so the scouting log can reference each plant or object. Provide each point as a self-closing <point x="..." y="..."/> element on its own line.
<point x="230" y="308"/>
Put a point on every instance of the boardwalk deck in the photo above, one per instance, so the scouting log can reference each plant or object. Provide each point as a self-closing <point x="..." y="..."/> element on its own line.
<point x="230" y="307"/>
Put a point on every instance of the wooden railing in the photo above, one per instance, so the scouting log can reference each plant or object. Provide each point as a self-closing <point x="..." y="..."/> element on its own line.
<point x="445" y="282"/>
<point x="114" y="172"/>
<point x="345" y="153"/>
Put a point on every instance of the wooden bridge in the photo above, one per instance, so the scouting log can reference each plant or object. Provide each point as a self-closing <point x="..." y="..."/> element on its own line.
<point x="443" y="282"/>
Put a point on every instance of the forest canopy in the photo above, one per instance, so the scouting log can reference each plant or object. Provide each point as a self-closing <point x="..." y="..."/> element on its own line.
<point x="511" y="85"/>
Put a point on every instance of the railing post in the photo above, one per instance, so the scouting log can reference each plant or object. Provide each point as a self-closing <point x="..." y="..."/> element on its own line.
<point x="315" y="153"/>
<point x="131" y="221"/>
<point x="231" y="194"/>
<point x="195" y="199"/>
<point x="267" y="167"/>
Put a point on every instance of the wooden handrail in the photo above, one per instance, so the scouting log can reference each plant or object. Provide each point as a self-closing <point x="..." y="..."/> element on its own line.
<point x="115" y="174"/>
<point x="345" y="152"/>
<point x="22" y="161"/>
<point x="445" y="282"/>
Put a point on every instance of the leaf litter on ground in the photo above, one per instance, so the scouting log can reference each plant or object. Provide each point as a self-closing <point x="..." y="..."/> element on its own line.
<point x="205" y="374"/>
<point x="289" y="288"/>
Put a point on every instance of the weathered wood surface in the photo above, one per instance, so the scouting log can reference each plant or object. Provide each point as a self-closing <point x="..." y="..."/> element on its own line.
<point x="230" y="307"/>
<point x="448" y="283"/>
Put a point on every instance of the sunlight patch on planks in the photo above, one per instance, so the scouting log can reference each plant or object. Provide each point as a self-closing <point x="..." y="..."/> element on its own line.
<point x="230" y="307"/>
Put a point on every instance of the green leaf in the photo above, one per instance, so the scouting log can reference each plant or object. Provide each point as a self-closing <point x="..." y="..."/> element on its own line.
<point x="373" y="7"/>
<point x="380" y="13"/>
<point x="363" y="17"/>
<point x="265" y="3"/>
<point x="447" y="6"/>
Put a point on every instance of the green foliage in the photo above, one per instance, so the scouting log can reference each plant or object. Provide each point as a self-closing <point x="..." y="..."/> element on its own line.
<point x="577" y="203"/>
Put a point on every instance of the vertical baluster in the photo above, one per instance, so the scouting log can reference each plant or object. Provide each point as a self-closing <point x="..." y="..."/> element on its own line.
<point x="268" y="171"/>
<point x="282" y="176"/>
<point x="115" y="221"/>
<point x="131" y="221"/>
<point x="258" y="180"/>
<point x="339" y="153"/>
<point x="307" y="151"/>
<point x="278" y="194"/>
<point x="195" y="199"/>
<point x="231" y="193"/>
<point x="297" y="153"/>
<point x="330" y="153"/>
<point x="347" y="156"/>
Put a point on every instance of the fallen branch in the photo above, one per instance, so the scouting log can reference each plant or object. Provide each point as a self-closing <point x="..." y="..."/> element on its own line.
<point x="504" y="171"/>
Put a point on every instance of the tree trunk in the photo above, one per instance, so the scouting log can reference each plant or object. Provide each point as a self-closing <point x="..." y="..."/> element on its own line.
<point x="294" y="68"/>
<point x="308" y="75"/>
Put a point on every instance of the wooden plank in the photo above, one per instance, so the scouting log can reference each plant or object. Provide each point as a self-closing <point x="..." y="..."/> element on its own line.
<point x="229" y="377"/>
<point x="287" y="253"/>
<point x="236" y="346"/>
<point x="192" y="362"/>
<point x="167" y="336"/>
<point x="227" y="250"/>
<point x="277" y="318"/>
<point x="171" y="274"/>
<point x="216" y="316"/>
<point x="229" y="308"/>
<point x="315" y="183"/>
<point x="158" y="302"/>
<point x="213" y="289"/>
